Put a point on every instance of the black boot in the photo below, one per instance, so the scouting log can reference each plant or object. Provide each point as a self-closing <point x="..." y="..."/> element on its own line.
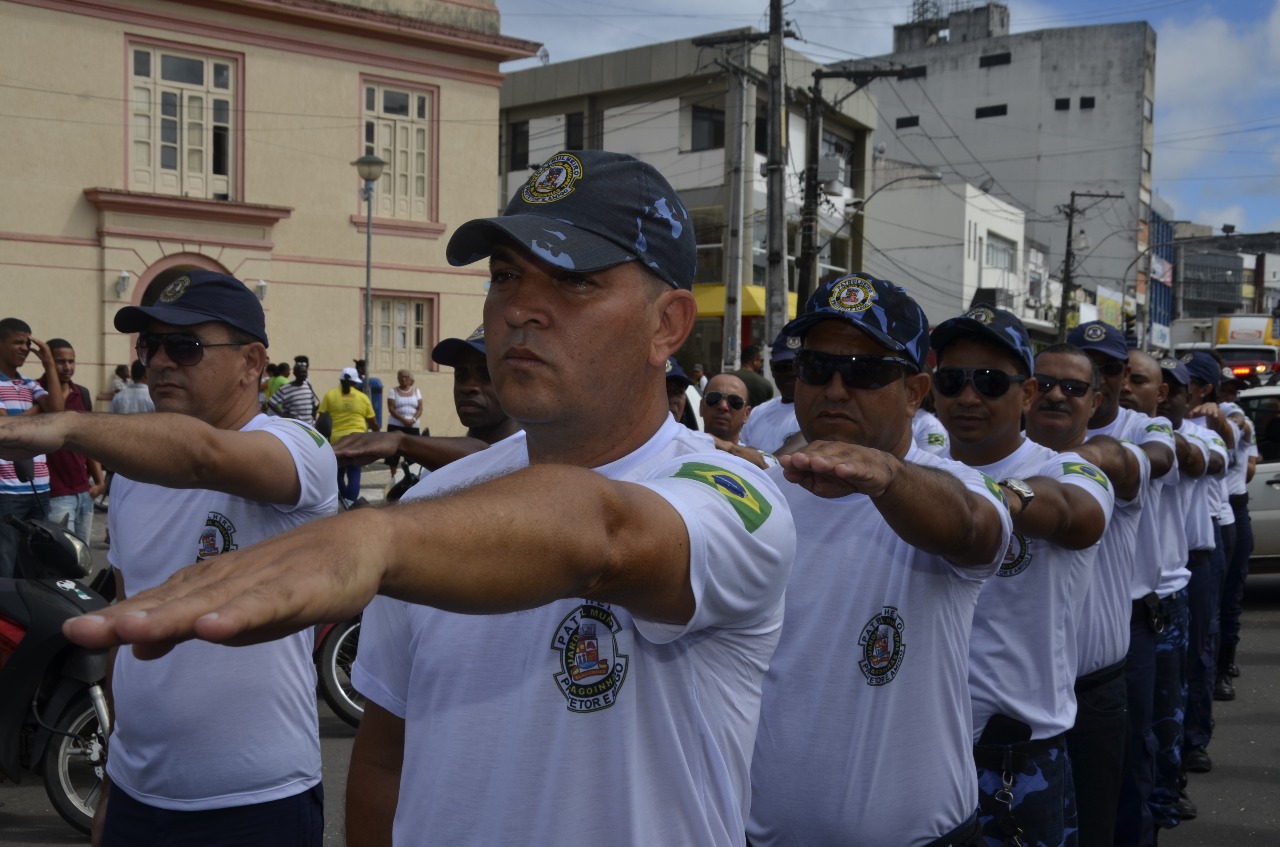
<point x="1227" y="661"/>
<point x="1223" y="689"/>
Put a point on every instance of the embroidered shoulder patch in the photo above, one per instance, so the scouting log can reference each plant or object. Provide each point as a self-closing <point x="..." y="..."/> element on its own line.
<point x="745" y="499"/>
<point x="315" y="436"/>
<point x="1159" y="427"/>
<point x="936" y="439"/>
<point x="1088" y="471"/>
<point x="994" y="488"/>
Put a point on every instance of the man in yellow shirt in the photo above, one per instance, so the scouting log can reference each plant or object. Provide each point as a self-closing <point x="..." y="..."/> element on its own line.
<point x="350" y="411"/>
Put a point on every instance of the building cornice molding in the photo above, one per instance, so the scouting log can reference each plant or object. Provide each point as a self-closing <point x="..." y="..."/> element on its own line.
<point x="186" y="208"/>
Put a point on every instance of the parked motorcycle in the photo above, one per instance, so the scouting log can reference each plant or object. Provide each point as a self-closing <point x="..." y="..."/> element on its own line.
<point x="335" y="653"/>
<point x="53" y="713"/>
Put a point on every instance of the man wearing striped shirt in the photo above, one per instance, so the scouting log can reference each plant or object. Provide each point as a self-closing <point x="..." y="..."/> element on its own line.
<point x="20" y="395"/>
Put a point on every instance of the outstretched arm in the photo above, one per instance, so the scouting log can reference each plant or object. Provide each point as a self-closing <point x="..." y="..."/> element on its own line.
<point x="1061" y="514"/>
<point x="177" y="451"/>
<point x="927" y="508"/>
<point x="432" y="452"/>
<point x="1120" y="466"/>
<point x="501" y="546"/>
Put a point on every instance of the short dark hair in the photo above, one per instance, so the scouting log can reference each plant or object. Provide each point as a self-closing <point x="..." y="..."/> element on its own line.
<point x="137" y="371"/>
<point x="122" y="371"/>
<point x="302" y="360"/>
<point x="271" y="369"/>
<point x="12" y="326"/>
<point x="282" y="369"/>
<point x="1064" y="349"/>
<point x="58" y="344"/>
<point x="750" y="352"/>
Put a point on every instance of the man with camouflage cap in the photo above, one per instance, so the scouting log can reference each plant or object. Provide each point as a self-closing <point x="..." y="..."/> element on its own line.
<point x="600" y="595"/>
<point x="893" y="547"/>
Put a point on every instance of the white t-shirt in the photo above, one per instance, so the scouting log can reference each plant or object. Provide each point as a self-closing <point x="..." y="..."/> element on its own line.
<point x="1022" y="656"/>
<point x="1175" y="505"/>
<point x="1150" y="541"/>
<point x="769" y="425"/>
<point x="1245" y="447"/>
<point x="929" y="433"/>
<point x="577" y="720"/>
<point x="1206" y="489"/>
<point x="208" y="726"/>
<point x="864" y="731"/>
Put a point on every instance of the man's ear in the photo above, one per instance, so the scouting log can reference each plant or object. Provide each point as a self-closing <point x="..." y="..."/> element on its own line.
<point x="677" y="311"/>
<point x="255" y="360"/>
<point x="1029" y="390"/>
<point x="917" y="388"/>
<point x="1162" y="393"/>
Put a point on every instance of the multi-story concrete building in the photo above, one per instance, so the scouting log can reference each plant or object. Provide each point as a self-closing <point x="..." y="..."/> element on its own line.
<point x="675" y="106"/>
<point x="1033" y="117"/>
<point x="150" y="137"/>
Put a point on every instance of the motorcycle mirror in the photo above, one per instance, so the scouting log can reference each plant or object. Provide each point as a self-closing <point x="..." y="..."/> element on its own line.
<point x="24" y="469"/>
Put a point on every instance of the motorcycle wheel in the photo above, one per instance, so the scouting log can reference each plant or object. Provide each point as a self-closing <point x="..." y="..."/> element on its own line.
<point x="333" y="670"/>
<point x="74" y="765"/>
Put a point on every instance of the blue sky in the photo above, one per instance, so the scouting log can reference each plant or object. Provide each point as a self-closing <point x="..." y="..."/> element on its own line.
<point x="1217" y="128"/>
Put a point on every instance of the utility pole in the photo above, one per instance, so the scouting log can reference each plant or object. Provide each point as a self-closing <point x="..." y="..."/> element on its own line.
<point x="807" y="262"/>
<point x="735" y="154"/>
<point x="775" y="314"/>
<point x="1071" y="212"/>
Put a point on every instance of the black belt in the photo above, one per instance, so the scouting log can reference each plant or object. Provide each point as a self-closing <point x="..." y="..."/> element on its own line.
<point x="991" y="757"/>
<point x="1151" y="610"/>
<point x="1102" y="676"/>
<point x="967" y="834"/>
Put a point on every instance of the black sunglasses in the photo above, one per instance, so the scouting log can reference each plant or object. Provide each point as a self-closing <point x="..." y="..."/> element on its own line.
<point x="989" y="382"/>
<point x="182" y="348"/>
<point x="866" y="372"/>
<point x="1110" y="367"/>
<point x="1070" y="387"/>
<point x="736" y="401"/>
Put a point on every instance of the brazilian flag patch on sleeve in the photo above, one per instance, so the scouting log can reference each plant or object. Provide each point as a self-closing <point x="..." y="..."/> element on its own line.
<point x="1159" y="427"/>
<point x="315" y="436"/>
<point x="936" y="439"/>
<point x="994" y="488"/>
<point x="742" y="495"/>
<point x="1087" y="470"/>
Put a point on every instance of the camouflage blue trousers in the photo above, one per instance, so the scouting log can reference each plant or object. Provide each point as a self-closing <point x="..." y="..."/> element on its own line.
<point x="1204" y="593"/>
<point x="1037" y="797"/>
<point x="1167" y="710"/>
<point x="1133" y="815"/>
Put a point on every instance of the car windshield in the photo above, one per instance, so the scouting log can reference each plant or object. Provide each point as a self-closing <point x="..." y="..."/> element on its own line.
<point x="1264" y="411"/>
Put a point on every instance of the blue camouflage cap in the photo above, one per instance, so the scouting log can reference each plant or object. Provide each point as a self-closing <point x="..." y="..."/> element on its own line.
<point x="993" y="324"/>
<point x="785" y="347"/>
<point x="675" y="372"/>
<point x="1203" y="367"/>
<point x="1175" y="369"/>
<point x="1102" y="337"/>
<point x="446" y="352"/>
<point x="588" y="210"/>
<point x="878" y="307"/>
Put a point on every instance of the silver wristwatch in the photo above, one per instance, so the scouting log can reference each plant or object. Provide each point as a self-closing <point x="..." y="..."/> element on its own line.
<point x="1025" y="492"/>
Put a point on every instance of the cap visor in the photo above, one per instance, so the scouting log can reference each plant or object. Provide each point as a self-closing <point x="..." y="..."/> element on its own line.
<point x="446" y="352"/>
<point x="136" y="318"/>
<point x="555" y="242"/>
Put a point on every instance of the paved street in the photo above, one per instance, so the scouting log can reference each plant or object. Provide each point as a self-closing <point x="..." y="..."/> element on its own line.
<point x="1239" y="800"/>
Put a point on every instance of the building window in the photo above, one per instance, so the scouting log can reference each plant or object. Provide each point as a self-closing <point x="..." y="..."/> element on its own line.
<point x="1086" y="102"/>
<point x="181" y="109"/>
<point x="573" y="131"/>
<point x="1062" y="104"/>
<point x="402" y="333"/>
<point x="907" y="122"/>
<point x="1002" y="254"/>
<point x="1148" y="108"/>
<point x="518" y="146"/>
<point x="708" y="128"/>
<point x="916" y="72"/>
<point x="708" y="233"/>
<point x="762" y="133"/>
<point x="994" y="59"/>
<point x="398" y="129"/>
<point x="991" y="111"/>
<point x="1144" y="211"/>
<point x="1146" y="160"/>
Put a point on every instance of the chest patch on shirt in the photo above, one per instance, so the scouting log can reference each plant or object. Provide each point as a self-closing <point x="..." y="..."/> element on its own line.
<point x="1017" y="557"/>
<point x="882" y="647"/>
<point x="592" y="669"/>
<point x="745" y="499"/>
<point x="218" y="536"/>
<point x="1088" y="471"/>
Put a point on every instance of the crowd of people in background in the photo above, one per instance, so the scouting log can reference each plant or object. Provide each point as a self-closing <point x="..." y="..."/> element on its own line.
<point x="942" y="589"/>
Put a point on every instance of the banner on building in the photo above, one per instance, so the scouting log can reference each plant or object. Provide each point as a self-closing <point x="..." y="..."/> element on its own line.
<point x="1111" y="306"/>
<point x="1161" y="271"/>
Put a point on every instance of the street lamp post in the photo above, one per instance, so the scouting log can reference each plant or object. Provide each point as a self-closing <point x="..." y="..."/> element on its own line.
<point x="370" y="169"/>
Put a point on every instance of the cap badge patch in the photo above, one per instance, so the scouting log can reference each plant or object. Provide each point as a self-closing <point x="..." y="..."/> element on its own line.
<point x="1188" y="358"/>
<point x="668" y="369"/>
<point x="477" y="334"/>
<point x="1168" y="364"/>
<point x="1227" y="373"/>
<point x="852" y="294"/>
<point x="1094" y="333"/>
<point x="794" y="342"/>
<point x="555" y="180"/>
<point x="175" y="289"/>
<point x="981" y="314"/>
